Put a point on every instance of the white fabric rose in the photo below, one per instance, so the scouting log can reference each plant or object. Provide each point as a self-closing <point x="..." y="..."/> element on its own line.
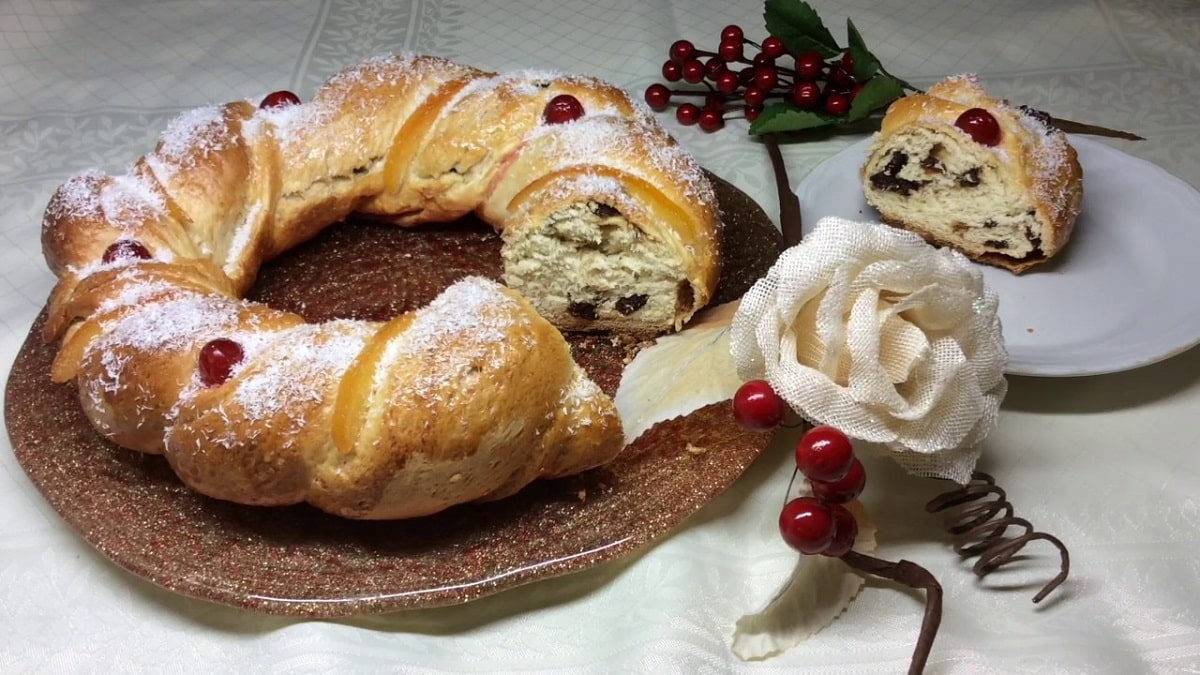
<point x="869" y="329"/>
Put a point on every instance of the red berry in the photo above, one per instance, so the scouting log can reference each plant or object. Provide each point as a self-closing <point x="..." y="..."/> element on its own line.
<point x="845" y="531"/>
<point x="658" y="96"/>
<point x="807" y="525"/>
<point x="806" y="95"/>
<point x="751" y="112"/>
<point x="757" y="407"/>
<point x="217" y="360"/>
<point x="562" y="108"/>
<point x="688" y="114"/>
<point x="848" y="63"/>
<point x="809" y="66"/>
<point x="837" y="103"/>
<point x="746" y="75"/>
<point x="714" y="102"/>
<point x="728" y="82"/>
<point x="762" y="60"/>
<point x="732" y="33"/>
<point x="840" y="77"/>
<point x="711" y="120"/>
<point x="981" y="125"/>
<point x="682" y="51"/>
<point x="766" y="77"/>
<point x="279" y="99"/>
<point x="856" y="90"/>
<point x="693" y="71"/>
<point x="773" y="47"/>
<point x="672" y="72"/>
<point x="845" y="489"/>
<point x="714" y="67"/>
<point x="754" y="96"/>
<point x="730" y="51"/>
<point x="125" y="249"/>
<point x="824" y="453"/>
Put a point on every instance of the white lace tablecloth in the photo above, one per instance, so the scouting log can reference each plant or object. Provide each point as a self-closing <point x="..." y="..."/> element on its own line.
<point x="1110" y="463"/>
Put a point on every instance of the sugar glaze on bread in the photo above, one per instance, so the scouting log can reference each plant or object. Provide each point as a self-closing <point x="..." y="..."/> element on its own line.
<point x="606" y="223"/>
<point x="1013" y="205"/>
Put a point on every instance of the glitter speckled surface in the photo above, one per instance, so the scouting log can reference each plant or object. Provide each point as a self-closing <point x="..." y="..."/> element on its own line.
<point x="300" y="561"/>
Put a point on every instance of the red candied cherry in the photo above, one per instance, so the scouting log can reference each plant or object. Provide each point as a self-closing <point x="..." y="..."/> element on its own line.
<point x="711" y="120"/>
<point x="751" y="112"/>
<point x="730" y="51"/>
<point x="682" y="51"/>
<point x="773" y="47"/>
<point x="824" y="454"/>
<point x="757" y="407"/>
<point x="837" y="103"/>
<point x="562" y="108"/>
<point x="807" y="525"/>
<point x="806" y="95"/>
<point x="809" y="66"/>
<point x="728" y="82"/>
<point x="766" y="77"/>
<point x="279" y="99"/>
<point x="688" y="114"/>
<point x="693" y="71"/>
<point x="672" y="72"/>
<point x="125" y="249"/>
<point x="845" y="531"/>
<point x="217" y="361"/>
<point x="658" y="96"/>
<point x="980" y="125"/>
<point x="754" y="96"/>
<point x="732" y="33"/>
<point x="845" y="489"/>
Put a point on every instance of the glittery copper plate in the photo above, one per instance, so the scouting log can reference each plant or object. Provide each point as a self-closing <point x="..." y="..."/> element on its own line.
<point x="300" y="561"/>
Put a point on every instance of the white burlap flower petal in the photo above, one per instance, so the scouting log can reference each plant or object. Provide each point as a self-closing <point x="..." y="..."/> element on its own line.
<point x="870" y="329"/>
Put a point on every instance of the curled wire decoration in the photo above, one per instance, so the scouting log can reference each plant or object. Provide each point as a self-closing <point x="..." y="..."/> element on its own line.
<point x="980" y="517"/>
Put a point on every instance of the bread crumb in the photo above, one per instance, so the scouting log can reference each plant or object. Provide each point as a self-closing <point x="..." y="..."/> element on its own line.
<point x="1028" y="330"/>
<point x="695" y="450"/>
<point x="456" y="478"/>
<point x="582" y="495"/>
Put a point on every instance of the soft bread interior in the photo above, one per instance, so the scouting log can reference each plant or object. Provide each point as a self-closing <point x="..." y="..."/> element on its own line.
<point x="951" y="190"/>
<point x="587" y="266"/>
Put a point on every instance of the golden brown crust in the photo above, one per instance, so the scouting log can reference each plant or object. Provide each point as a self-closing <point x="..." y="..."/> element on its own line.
<point x="1031" y="156"/>
<point x="345" y="415"/>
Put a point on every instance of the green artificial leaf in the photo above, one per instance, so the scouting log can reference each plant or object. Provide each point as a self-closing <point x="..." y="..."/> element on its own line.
<point x="877" y="92"/>
<point x="779" y="117"/>
<point x="800" y="27"/>
<point x="865" y="63"/>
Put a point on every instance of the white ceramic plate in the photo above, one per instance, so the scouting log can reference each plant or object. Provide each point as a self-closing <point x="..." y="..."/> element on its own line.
<point x="1121" y="295"/>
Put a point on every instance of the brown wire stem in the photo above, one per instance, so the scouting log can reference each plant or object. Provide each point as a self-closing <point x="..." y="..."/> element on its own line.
<point x="980" y="516"/>
<point x="914" y="576"/>
<point x="789" y="204"/>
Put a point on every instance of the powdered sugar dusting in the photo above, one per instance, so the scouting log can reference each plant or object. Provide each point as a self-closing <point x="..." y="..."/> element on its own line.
<point x="617" y="141"/>
<point x="242" y="237"/>
<point x="192" y="136"/>
<point x="299" y="367"/>
<point x="461" y="326"/>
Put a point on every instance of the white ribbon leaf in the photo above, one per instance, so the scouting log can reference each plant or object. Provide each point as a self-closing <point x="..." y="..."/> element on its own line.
<point x="819" y="589"/>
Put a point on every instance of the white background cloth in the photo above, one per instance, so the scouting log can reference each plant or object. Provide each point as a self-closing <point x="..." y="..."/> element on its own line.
<point x="1108" y="463"/>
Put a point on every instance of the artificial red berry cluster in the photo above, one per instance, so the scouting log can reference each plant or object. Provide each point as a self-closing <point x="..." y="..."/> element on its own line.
<point x="736" y="78"/>
<point x="819" y="523"/>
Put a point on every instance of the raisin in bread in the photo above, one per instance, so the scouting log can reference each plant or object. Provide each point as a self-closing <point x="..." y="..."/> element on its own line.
<point x="1006" y="196"/>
